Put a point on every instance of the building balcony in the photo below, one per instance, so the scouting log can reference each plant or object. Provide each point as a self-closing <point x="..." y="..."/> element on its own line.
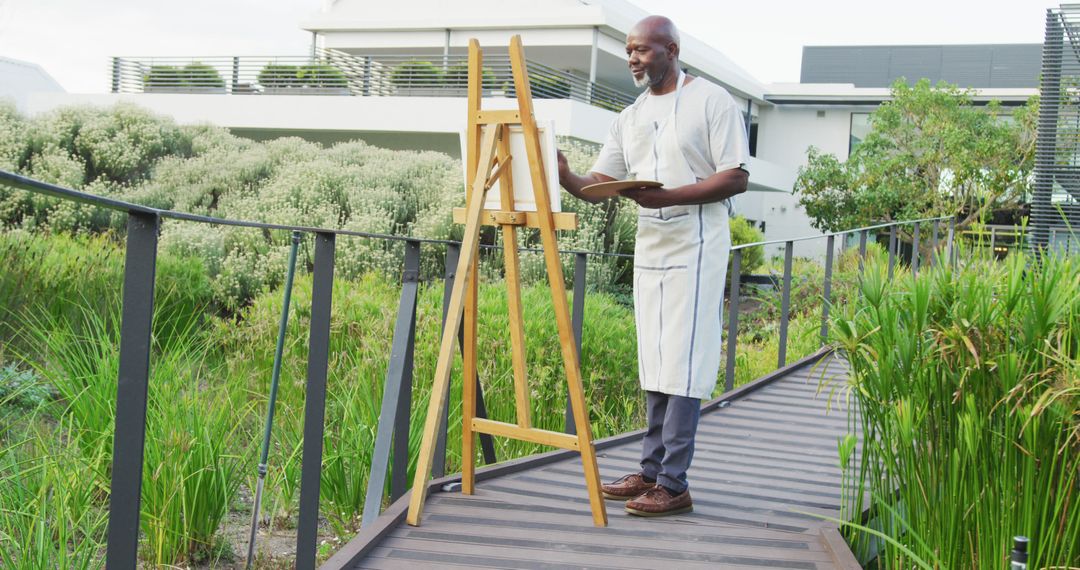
<point x="336" y="73"/>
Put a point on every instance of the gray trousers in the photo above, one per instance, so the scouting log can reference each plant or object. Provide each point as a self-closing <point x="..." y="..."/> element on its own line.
<point x="668" y="446"/>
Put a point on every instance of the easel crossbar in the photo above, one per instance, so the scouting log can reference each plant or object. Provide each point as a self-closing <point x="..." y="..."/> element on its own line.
<point x="532" y="435"/>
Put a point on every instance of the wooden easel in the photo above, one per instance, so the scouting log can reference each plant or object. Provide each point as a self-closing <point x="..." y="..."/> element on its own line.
<point x="488" y="159"/>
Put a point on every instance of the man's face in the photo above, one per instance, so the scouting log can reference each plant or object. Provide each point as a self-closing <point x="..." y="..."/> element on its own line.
<point x="649" y="59"/>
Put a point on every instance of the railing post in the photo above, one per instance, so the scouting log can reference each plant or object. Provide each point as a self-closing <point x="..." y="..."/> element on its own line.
<point x="235" y="73"/>
<point x="915" y="249"/>
<point x="115" y="75"/>
<point x="733" y="320"/>
<point x="785" y="305"/>
<point x="438" y="465"/>
<point x="827" y="293"/>
<point x="993" y="240"/>
<point x="132" y="384"/>
<point x="577" y="323"/>
<point x="892" y="249"/>
<point x="367" y="77"/>
<point x="487" y="446"/>
<point x="950" y="244"/>
<point x="862" y="250"/>
<point x="315" y="401"/>
<point x="934" y="242"/>
<point x="394" y="415"/>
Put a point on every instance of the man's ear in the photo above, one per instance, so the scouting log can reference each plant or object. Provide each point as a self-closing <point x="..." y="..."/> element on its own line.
<point x="673" y="50"/>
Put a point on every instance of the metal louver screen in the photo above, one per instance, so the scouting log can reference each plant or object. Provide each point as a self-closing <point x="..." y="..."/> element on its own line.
<point x="1055" y="208"/>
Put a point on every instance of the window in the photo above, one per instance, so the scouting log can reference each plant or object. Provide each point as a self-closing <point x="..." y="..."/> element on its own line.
<point x="860" y="127"/>
<point x="753" y="137"/>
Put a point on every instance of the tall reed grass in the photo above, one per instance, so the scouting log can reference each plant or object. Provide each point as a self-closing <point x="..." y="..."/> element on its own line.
<point x="966" y="381"/>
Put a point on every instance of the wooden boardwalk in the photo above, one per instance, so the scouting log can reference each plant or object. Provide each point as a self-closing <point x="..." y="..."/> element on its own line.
<point x="765" y="465"/>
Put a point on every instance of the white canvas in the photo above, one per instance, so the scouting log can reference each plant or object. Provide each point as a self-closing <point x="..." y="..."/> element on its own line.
<point x="519" y="166"/>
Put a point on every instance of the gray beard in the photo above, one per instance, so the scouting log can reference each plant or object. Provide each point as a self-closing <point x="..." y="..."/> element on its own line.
<point x="645" y="80"/>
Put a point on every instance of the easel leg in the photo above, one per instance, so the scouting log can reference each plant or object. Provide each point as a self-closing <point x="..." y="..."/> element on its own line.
<point x="513" y="295"/>
<point x="468" y="386"/>
<point x="441" y="385"/>
<point x="555" y="279"/>
<point x="588" y="454"/>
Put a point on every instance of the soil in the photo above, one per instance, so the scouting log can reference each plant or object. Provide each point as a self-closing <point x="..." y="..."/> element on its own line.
<point x="275" y="546"/>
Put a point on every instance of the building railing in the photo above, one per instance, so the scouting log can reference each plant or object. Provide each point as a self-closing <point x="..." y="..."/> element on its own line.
<point x="1002" y="238"/>
<point x="391" y="439"/>
<point x="334" y="72"/>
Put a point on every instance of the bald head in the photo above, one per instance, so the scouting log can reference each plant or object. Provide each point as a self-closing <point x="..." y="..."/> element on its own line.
<point x="658" y="29"/>
<point x="652" y="51"/>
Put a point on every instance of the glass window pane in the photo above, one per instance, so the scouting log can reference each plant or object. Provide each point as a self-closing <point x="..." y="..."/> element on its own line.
<point x="860" y="127"/>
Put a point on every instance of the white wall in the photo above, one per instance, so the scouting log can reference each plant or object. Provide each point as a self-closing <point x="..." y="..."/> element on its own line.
<point x="20" y="81"/>
<point x="784" y="135"/>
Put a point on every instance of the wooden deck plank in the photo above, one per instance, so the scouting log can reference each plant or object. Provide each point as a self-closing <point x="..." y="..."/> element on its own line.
<point x="732" y="479"/>
<point x="725" y="508"/>
<point x="704" y="463"/>
<point x="769" y="409"/>
<point x="638" y="527"/>
<point x="722" y="430"/>
<point x="713" y="488"/>
<point x="749" y="471"/>
<point x="539" y="552"/>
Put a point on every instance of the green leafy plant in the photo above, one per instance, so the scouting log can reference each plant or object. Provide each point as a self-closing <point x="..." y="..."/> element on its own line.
<point x="191" y="76"/>
<point x="546" y="85"/>
<point x="458" y="76"/>
<point x="742" y="233"/>
<point x="312" y="76"/>
<point x="23" y="389"/>
<point x="416" y="74"/>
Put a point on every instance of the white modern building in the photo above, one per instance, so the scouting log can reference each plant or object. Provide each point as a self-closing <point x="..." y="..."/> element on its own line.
<point x="391" y="74"/>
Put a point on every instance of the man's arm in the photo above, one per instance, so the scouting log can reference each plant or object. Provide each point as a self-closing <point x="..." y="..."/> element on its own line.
<point x="574" y="183"/>
<point x="715" y="188"/>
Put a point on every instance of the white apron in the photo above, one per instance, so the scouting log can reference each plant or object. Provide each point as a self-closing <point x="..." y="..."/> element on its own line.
<point x="680" y="266"/>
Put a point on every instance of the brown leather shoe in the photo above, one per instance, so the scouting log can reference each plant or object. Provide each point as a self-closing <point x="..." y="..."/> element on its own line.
<point x="626" y="487"/>
<point x="658" y="502"/>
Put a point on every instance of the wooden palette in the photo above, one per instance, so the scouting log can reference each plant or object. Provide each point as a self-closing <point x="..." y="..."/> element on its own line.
<point x="611" y="189"/>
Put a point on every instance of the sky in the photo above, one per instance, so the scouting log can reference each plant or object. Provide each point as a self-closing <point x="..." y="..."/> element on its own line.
<point x="74" y="39"/>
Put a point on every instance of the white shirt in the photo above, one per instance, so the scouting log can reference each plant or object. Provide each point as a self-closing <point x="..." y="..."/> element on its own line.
<point x="656" y="108"/>
<point x="711" y="130"/>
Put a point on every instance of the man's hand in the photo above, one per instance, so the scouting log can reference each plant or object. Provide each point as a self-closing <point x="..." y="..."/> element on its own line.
<point x="574" y="183"/>
<point x="713" y="189"/>
<point x="564" y="166"/>
<point x="649" y="197"/>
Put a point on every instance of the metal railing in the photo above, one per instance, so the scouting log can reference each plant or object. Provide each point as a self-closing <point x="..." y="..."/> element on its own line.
<point x="893" y="248"/>
<point x="333" y="72"/>
<point x="391" y="448"/>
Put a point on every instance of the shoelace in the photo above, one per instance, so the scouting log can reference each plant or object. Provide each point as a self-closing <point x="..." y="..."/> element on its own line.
<point x="651" y="493"/>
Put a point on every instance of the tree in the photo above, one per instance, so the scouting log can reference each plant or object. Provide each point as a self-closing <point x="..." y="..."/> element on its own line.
<point x="930" y="153"/>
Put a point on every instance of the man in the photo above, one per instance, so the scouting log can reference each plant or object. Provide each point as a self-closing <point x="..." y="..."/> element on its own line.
<point x="688" y="134"/>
